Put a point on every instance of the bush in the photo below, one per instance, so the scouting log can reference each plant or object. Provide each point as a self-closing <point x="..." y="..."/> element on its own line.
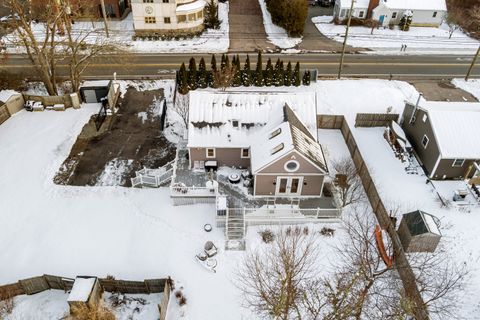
<point x="82" y="312"/>
<point x="289" y="14"/>
<point x="267" y="235"/>
<point x="328" y="232"/>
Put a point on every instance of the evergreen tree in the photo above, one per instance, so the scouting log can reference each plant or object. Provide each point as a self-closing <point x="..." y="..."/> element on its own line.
<point x="202" y="74"/>
<point x="234" y="60"/>
<point x="223" y="62"/>
<point x="306" y="78"/>
<point x="259" y="71"/>
<point x="296" y="75"/>
<point x="213" y="63"/>
<point x="279" y="75"/>
<point x="211" y="16"/>
<point x="269" y="73"/>
<point x="192" y="74"/>
<point x="247" y="73"/>
<point x="183" y="80"/>
<point x="288" y="75"/>
<point x="237" y="80"/>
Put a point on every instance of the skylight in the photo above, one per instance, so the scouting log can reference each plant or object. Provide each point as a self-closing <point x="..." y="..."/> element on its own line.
<point x="277" y="148"/>
<point x="275" y="133"/>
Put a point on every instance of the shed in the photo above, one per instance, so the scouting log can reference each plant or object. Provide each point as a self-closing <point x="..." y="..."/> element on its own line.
<point x="86" y="292"/>
<point x="419" y="232"/>
<point x="94" y="91"/>
<point x="12" y="100"/>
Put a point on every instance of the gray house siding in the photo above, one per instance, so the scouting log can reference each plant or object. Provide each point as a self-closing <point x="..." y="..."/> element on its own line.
<point x="445" y="167"/>
<point x="265" y="185"/>
<point x="279" y="165"/>
<point x="230" y="157"/>
<point x="415" y="132"/>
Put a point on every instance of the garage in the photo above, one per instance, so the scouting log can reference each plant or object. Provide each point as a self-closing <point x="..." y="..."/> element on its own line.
<point x="94" y="91"/>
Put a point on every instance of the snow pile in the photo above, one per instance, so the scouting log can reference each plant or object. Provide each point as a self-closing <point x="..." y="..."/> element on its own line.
<point x="114" y="173"/>
<point x="472" y="86"/>
<point x="47" y="305"/>
<point x="276" y="34"/>
<point x="426" y="40"/>
<point x="82" y="287"/>
<point x="134" y="306"/>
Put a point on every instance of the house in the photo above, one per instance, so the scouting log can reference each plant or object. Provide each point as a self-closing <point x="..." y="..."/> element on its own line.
<point x="445" y="137"/>
<point x="273" y="135"/>
<point x="419" y="232"/>
<point x="428" y="13"/>
<point x="168" y="16"/>
<point x="10" y="103"/>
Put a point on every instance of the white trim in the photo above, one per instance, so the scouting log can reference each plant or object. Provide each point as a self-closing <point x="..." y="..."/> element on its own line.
<point x="259" y="171"/>
<point x="454" y="160"/>
<point x="241" y="153"/>
<point x="288" y="186"/>
<point x="290" y="170"/>
<point x="435" y="166"/>
<point x="214" y="153"/>
<point x="426" y="144"/>
<point x="290" y="174"/>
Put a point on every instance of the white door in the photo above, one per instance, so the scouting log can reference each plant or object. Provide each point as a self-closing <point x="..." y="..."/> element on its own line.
<point x="289" y="186"/>
<point x="90" y="96"/>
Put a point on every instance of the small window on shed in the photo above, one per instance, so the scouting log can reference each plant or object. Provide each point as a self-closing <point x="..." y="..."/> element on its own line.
<point x="275" y="133"/>
<point x="434" y="14"/>
<point x="394" y="15"/>
<point x="361" y="13"/>
<point x="277" y="148"/>
<point x="425" y="141"/>
<point x="235" y="123"/>
<point x="424" y="118"/>
<point x="458" y="162"/>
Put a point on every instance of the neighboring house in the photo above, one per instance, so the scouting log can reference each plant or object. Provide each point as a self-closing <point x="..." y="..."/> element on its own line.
<point x="446" y="137"/>
<point x="10" y="103"/>
<point x="115" y="9"/>
<point x="389" y="12"/>
<point x="168" y="16"/>
<point x="271" y="134"/>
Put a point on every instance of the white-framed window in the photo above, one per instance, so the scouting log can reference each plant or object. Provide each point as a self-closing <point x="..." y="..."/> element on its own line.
<point x="342" y="13"/>
<point x="394" y="15"/>
<point x="165" y="1"/>
<point x="292" y="166"/>
<point x="210" y="153"/>
<point x="150" y="20"/>
<point x="235" y="123"/>
<point x="424" y="118"/>
<point x="147" y="1"/>
<point x="435" y="14"/>
<point x="166" y="20"/>
<point x="181" y="18"/>
<point x="361" y="14"/>
<point x="425" y="141"/>
<point x="245" y="153"/>
<point x="458" y="162"/>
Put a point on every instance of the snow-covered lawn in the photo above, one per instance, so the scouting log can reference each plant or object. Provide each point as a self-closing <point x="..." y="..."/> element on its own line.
<point x="276" y="34"/>
<point x="472" y="86"/>
<point x="121" y="32"/>
<point x="419" y="40"/>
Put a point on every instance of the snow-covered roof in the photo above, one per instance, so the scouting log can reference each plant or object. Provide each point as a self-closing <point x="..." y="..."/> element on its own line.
<point x="5" y="95"/>
<point x="95" y="83"/>
<point x="82" y="287"/>
<point x="456" y="128"/>
<point x="362" y="4"/>
<point x="212" y="115"/>
<point x="438" y="5"/>
<point x="283" y="134"/>
<point x="197" y="5"/>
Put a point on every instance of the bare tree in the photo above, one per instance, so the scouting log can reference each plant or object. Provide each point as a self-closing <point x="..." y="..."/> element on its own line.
<point x="279" y="280"/>
<point x="223" y="77"/>
<point x="181" y="107"/>
<point x="452" y="19"/>
<point x="347" y="181"/>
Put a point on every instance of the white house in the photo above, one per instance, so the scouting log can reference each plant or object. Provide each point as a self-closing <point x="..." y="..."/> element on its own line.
<point x="168" y="16"/>
<point x="424" y="12"/>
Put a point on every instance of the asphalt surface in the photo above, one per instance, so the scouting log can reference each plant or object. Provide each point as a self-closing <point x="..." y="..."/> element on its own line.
<point x="156" y="66"/>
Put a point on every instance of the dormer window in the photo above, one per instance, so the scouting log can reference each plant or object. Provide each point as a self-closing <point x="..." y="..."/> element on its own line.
<point x="235" y="123"/>
<point x="275" y="133"/>
<point x="277" y="148"/>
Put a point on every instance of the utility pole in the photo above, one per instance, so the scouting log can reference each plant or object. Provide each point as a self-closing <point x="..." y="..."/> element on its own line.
<point x="104" y="13"/>
<point x="345" y="40"/>
<point x="473" y="64"/>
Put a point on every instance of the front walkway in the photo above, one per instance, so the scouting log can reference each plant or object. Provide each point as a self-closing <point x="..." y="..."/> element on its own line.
<point x="247" y="32"/>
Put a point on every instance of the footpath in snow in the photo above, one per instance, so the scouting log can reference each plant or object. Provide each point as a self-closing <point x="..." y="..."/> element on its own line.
<point x="419" y="40"/>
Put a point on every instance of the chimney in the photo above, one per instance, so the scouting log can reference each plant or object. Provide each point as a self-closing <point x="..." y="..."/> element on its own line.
<point x="372" y="5"/>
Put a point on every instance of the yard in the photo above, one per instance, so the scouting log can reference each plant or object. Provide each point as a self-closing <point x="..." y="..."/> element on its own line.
<point x="137" y="233"/>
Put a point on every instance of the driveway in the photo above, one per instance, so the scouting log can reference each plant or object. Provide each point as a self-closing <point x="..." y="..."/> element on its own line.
<point x="247" y="32"/>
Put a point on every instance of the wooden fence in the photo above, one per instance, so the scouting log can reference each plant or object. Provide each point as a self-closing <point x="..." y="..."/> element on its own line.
<point x="50" y="100"/>
<point x="401" y="262"/>
<point x="375" y="119"/>
<point x="4" y="113"/>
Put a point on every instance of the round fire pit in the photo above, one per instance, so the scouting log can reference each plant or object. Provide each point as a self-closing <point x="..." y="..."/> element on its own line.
<point x="234" y="178"/>
<point x="207" y="227"/>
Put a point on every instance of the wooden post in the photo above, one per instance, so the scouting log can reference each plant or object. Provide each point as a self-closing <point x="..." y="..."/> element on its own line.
<point x="473" y="64"/>
<point x="345" y="40"/>
<point x="104" y="13"/>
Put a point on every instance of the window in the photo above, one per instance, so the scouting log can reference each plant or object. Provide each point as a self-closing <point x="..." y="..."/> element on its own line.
<point x="292" y="166"/>
<point x="245" y="153"/>
<point x="166" y="20"/>
<point x="235" y="123"/>
<point x="277" y="149"/>
<point x="165" y="1"/>
<point x="191" y="17"/>
<point x="182" y="18"/>
<point x="147" y="1"/>
<point x="342" y="13"/>
<point x="424" y="118"/>
<point x="199" y="14"/>
<point x="275" y="133"/>
<point x="425" y="141"/>
<point x="394" y="15"/>
<point x="210" y="153"/>
<point x="150" y="20"/>
<point x="458" y="162"/>
<point x="360" y="15"/>
<point x="434" y="14"/>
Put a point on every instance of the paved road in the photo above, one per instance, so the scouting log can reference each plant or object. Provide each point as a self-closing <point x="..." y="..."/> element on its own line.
<point x="144" y="66"/>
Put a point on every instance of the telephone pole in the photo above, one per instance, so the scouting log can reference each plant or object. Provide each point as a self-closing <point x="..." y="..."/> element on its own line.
<point x="472" y="65"/>
<point x="345" y="40"/>
<point x="104" y="13"/>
